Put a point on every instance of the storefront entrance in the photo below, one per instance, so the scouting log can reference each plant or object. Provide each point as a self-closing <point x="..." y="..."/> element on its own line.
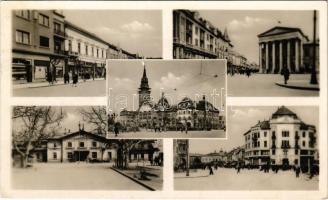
<point x="81" y="155"/>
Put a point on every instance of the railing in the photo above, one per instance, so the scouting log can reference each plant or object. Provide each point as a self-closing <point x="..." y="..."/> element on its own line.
<point x="59" y="32"/>
<point x="60" y="51"/>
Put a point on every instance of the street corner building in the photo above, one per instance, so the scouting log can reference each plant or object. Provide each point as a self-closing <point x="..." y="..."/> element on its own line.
<point x="286" y="47"/>
<point x="195" y="37"/>
<point x="47" y="47"/>
<point x="201" y="115"/>
<point x="283" y="141"/>
<point x="84" y="146"/>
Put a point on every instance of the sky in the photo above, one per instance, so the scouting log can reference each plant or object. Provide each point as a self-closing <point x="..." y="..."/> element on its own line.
<point x="244" y="26"/>
<point x="241" y="119"/>
<point x="176" y="78"/>
<point x="136" y="31"/>
<point x="71" y="119"/>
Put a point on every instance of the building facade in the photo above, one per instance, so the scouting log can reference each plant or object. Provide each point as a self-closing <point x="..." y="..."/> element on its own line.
<point x="37" y="45"/>
<point x="281" y="47"/>
<point x="195" y="37"/>
<point x="283" y="141"/>
<point x="181" y="154"/>
<point x="90" y="52"/>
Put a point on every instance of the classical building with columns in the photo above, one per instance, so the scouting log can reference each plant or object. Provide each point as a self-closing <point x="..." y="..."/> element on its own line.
<point x="281" y="47"/>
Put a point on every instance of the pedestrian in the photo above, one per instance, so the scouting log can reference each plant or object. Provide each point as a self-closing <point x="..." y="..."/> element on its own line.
<point x="116" y="129"/>
<point x="211" y="170"/>
<point x="66" y="78"/>
<point x="50" y="75"/>
<point x="75" y="79"/>
<point x="285" y="72"/>
<point x="311" y="172"/>
<point x="297" y="171"/>
<point x="238" y="168"/>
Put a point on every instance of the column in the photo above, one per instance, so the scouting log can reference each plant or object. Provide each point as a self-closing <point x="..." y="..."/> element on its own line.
<point x="260" y="57"/>
<point x="297" y="66"/>
<point x="273" y="57"/>
<point x="266" y="57"/>
<point x="288" y="55"/>
<point x="280" y="56"/>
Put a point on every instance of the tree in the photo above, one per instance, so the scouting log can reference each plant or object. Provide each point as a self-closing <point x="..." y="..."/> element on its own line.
<point x="124" y="146"/>
<point x="96" y="116"/>
<point x="32" y="125"/>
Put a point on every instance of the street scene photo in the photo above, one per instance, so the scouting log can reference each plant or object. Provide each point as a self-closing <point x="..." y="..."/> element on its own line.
<point x="268" y="52"/>
<point x="66" y="148"/>
<point x="268" y="148"/>
<point x="166" y="98"/>
<point x="62" y="53"/>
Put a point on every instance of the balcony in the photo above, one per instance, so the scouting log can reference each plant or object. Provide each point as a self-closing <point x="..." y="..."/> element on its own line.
<point x="59" y="33"/>
<point x="71" y="53"/>
<point x="61" y="52"/>
<point x="285" y="146"/>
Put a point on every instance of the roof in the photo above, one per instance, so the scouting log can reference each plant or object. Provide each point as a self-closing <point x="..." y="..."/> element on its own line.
<point x="277" y="30"/>
<point x="283" y="111"/>
<point x="80" y="132"/>
<point x="205" y="105"/>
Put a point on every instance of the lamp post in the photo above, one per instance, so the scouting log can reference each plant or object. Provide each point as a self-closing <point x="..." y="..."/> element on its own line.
<point x="187" y="152"/>
<point x="314" y="79"/>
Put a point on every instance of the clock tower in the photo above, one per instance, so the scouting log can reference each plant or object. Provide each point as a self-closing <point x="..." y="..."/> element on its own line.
<point x="144" y="90"/>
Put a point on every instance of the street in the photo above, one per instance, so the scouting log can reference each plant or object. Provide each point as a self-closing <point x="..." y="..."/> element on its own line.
<point x="64" y="176"/>
<point x="228" y="179"/>
<point x="170" y="134"/>
<point x="83" y="89"/>
<point x="263" y="85"/>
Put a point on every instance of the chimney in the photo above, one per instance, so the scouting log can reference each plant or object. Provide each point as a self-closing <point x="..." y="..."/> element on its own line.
<point x="79" y="126"/>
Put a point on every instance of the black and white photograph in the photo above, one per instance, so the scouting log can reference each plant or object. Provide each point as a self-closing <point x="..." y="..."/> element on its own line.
<point x="269" y="52"/>
<point x="171" y="98"/>
<point x="63" y="52"/>
<point x="268" y="148"/>
<point x="66" y="148"/>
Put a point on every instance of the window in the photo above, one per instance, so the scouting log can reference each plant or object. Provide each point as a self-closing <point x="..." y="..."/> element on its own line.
<point x="273" y="152"/>
<point x="22" y="37"/>
<point x="44" y="20"/>
<point x="196" y="42"/>
<point x="97" y="53"/>
<point x="94" y="144"/>
<point x="102" y="53"/>
<point x="55" y="145"/>
<point x="23" y="14"/>
<point x="303" y="143"/>
<point x="69" y="155"/>
<point x="265" y="143"/>
<point x="285" y="133"/>
<point x="69" y="45"/>
<point x="81" y="144"/>
<point x="69" y="144"/>
<point x="57" y="27"/>
<point x="86" y="49"/>
<point x="296" y="151"/>
<point x="303" y="134"/>
<point x="54" y="155"/>
<point x="92" y="51"/>
<point x="79" y="47"/>
<point x="265" y="133"/>
<point x="285" y="143"/>
<point x="196" y="30"/>
<point x="44" y="41"/>
<point x="94" y="155"/>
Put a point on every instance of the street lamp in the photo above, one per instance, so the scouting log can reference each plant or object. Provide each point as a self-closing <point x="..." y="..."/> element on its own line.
<point x="314" y="79"/>
<point x="187" y="152"/>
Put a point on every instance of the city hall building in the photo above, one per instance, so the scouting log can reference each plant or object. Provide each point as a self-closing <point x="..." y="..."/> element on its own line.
<point x="201" y="115"/>
<point x="284" y="140"/>
<point x="283" y="47"/>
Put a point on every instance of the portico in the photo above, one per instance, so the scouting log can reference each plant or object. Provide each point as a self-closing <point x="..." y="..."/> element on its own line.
<point x="281" y="47"/>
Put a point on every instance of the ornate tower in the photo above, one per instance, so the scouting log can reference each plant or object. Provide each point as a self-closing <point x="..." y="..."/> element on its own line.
<point x="144" y="90"/>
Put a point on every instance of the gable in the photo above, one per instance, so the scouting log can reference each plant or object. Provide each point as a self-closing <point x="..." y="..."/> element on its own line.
<point x="279" y="30"/>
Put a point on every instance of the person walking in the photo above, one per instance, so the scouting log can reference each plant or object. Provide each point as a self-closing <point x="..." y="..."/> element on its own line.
<point x="297" y="171"/>
<point x="75" y="79"/>
<point x="66" y="78"/>
<point x="285" y="72"/>
<point x="116" y="129"/>
<point x="211" y="169"/>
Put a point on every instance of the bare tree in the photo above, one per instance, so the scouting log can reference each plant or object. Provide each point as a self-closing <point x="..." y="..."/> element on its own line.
<point x="31" y="126"/>
<point x="96" y="116"/>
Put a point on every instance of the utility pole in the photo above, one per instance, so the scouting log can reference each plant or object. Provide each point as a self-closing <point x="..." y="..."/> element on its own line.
<point x="314" y="79"/>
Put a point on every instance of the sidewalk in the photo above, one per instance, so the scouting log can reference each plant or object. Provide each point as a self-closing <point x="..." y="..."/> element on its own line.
<point x="46" y="84"/>
<point x="198" y="173"/>
<point x="299" y="84"/>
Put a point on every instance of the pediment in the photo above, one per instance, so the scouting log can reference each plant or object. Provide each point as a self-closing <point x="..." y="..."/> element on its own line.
<point x="279" y="30"/>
